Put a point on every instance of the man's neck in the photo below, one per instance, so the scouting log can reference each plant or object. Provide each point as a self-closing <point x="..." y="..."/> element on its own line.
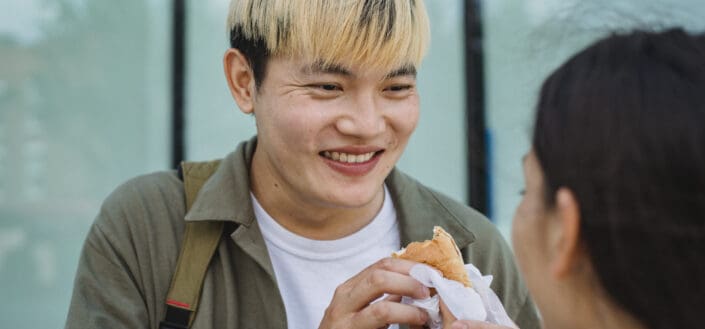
<point x="319" y="223"/>
<point x="310" y="219"/>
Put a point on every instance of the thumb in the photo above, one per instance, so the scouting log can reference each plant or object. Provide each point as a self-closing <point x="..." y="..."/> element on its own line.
<point x="446" y="316"/>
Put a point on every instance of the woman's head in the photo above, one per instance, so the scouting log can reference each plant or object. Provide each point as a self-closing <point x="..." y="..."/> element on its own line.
<point x="620" y="131"/>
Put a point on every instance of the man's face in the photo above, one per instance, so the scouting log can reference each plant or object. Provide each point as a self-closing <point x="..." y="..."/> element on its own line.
<point x="328" y="136"/>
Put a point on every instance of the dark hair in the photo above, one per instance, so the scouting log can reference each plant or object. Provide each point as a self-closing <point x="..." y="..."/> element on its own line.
<point x="254" y="50"/>
<point x="622" y="125"/>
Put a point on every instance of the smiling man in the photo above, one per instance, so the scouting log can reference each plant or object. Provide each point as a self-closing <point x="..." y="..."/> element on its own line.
<point x="313" y="204"/>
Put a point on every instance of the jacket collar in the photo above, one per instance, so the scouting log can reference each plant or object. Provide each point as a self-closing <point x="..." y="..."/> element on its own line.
<point x="419" y="209"/>
<point x="226" y="196"/>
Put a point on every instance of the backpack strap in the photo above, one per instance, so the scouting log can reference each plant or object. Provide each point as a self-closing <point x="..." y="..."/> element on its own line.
<point x="201" y="239"/>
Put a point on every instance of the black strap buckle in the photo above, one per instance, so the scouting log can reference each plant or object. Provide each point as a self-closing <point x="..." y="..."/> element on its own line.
<point x="167" y="325"/>
<point x="176" y="318"/>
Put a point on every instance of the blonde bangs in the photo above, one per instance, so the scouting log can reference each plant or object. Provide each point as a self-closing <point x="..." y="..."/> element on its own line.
<point x="379" y="34"/>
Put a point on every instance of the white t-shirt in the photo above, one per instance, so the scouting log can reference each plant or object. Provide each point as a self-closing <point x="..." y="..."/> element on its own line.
<point x="308" y="271"/>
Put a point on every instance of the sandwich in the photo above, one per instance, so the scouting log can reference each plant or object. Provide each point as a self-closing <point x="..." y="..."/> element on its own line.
<point x="441" y="253"/>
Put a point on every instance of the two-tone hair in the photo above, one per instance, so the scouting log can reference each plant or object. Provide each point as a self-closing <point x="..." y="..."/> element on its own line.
<point x="376" y="34"/>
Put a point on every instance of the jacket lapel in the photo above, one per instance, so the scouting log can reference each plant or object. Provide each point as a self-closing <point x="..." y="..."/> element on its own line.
<point x="419" y="210"/>
<point x="226" y="197"/>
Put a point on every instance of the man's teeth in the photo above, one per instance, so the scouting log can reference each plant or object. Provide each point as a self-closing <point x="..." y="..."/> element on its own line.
<point x="348" y="158"/>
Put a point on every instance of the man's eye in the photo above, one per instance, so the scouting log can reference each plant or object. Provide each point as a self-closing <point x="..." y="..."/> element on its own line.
<point x="399" y="87"/>
<point x="329" y="87"/>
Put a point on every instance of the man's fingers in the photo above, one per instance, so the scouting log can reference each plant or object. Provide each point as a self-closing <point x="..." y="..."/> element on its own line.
<point x="385" y="312"/>
<point x="378" y="282"/>
<point x="353" y="300"/>
<point x="393" y="298"/>
<point x="388" y="276"/>
<point x="398" y="265"/>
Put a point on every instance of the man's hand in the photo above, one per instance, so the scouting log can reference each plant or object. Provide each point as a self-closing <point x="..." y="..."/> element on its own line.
<point x="351" y="305"/>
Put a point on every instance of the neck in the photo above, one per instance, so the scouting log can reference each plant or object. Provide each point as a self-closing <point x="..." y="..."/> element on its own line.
<point x="309" y="218"/>
<point x="320" y="223"/>
<point x="608" y="315"/>
<point x="595" y="309"/>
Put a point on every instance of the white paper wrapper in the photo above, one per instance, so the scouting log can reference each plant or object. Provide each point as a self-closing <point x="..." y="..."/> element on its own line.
<point x="477" y="303"/>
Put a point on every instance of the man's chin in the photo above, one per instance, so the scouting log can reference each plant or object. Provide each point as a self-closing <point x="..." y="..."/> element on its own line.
<point x="358" y="200"/>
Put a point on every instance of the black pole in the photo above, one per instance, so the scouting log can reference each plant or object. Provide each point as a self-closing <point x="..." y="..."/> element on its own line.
<point x="475" y="100"/>
<point x="178" y="81"/>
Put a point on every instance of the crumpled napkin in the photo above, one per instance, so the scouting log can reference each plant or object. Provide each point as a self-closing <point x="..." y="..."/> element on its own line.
<point x="476" y="303"/>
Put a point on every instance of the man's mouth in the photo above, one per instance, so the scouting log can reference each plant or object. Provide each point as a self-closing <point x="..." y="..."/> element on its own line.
<point x="349" y="157"/>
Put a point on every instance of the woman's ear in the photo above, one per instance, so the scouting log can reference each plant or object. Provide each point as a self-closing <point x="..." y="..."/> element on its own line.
<point x="567" y="252"/>
<point x="241" y="80"/>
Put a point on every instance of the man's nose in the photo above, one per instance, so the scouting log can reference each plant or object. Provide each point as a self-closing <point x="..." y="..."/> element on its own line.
<point x="363" y="119"/>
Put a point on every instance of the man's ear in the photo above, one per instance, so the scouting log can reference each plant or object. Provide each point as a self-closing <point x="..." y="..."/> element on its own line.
<point x="565" y="242"/>
<point x="241" y="80"/>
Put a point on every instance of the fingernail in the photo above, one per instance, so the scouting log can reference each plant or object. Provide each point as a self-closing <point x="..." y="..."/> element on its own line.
<point x="425" y="292"/>
<point x="423" y="317"/>
<point x="459" y="325"/>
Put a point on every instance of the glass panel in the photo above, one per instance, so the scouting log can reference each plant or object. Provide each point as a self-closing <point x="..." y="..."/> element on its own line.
<point x="525" y="40"/>
<point x="83" y="106"/>
<point x="436" y="154"/>
<point x="215" y="125"/>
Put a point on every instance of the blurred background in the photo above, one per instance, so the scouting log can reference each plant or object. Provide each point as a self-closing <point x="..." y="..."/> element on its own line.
<point x="95" y="92"/>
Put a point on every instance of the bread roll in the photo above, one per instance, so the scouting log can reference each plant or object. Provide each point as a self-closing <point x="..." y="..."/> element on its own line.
<point x="441" y="253"/>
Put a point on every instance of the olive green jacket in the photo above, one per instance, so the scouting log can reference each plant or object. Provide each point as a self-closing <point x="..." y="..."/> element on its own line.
<point x="131" y="251"/>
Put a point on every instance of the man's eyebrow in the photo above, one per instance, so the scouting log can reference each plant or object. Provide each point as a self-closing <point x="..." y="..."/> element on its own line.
<point x="322" y="68"/>
<point x="402" y="71"/>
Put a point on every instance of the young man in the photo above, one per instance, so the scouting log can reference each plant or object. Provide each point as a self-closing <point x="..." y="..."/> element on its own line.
<point x="313" y="203"/>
